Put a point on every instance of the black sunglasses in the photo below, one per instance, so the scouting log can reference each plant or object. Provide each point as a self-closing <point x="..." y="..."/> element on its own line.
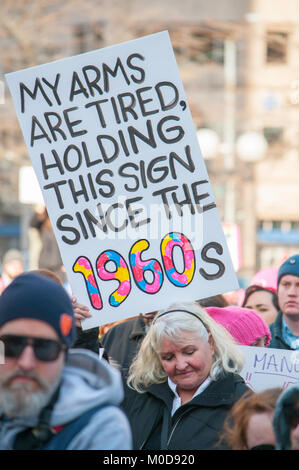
<point x="45" y="350"/>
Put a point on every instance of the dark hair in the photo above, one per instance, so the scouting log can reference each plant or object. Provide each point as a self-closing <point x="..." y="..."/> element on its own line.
<point x="256" y="288"/>
<point x="213" y="301"/>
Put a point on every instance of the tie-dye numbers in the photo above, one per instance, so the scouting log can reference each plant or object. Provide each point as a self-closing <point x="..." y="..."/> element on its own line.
<point x="121" y="274"/>
<point x="167" y="245"/>
<point x="82" y="265"/>
<point x="140" y="267"/>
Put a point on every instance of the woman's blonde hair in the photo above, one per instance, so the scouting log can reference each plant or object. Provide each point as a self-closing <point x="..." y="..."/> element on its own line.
<point x="146" y="369"/>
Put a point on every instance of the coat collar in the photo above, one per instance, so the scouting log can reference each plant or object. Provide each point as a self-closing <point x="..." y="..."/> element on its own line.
<point x="277" y="325"/>
<point x="218" y="393"/>
<point x="276" y="332"/>
<point x="163" y="392"/>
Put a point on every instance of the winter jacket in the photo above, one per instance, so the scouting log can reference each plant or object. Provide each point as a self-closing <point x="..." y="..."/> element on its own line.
<point x="196" y="425"/>
<point x="87" y="339"/>
<point x="276" y="334"/>
<point x="122" y="341"/>
<point x="87" y="383"/>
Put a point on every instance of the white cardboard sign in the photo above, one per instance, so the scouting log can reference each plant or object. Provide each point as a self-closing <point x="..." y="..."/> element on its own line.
<point x="269" y="367"/>
<point x="111" y="139"/>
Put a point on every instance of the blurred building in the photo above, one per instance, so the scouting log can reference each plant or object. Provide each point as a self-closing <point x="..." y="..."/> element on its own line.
<point x="239" y="62"/>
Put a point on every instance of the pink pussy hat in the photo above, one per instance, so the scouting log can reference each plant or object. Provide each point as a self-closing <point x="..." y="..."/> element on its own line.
<point x="245" y="325"/>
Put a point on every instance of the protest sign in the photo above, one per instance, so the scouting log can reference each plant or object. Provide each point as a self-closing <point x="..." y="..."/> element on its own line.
<point x="111" y="139"/>
<point x="268" y="367"/>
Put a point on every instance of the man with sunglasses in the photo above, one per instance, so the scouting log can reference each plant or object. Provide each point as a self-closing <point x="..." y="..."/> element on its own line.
<point x="52" y="397"/>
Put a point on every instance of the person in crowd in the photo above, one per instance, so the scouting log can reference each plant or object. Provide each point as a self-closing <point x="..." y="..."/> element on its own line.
<point x="53" y="397"/>
<point x="246" y="326"/>
<point x="49" y="256"/>
<point x="12" y="266"/>
<point x="285" y="329"/>
<point x="249" y="425"/>
<point x="234" y="297"/>
<point x="213" y="301"/>
<point x="86" y="339"/>
<point x="183" y="381"/>
<point x="123" y="340"/>
<point x="263" y="300"/>
<point x="103" y="329"/>
<point x="266" y="277"/>
<point x="286" y="419"/>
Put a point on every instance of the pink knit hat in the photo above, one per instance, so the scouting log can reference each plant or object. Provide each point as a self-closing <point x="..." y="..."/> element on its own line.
<point x="244" y="324"/>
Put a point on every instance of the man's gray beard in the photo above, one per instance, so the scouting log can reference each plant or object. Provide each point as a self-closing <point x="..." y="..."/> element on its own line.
<point x="20" y="401"/>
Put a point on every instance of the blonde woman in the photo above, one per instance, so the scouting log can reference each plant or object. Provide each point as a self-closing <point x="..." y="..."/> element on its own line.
<point x="183" y="381"/>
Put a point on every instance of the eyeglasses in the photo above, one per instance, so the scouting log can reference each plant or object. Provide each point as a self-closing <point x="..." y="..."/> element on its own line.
<point x="45" y="350"/>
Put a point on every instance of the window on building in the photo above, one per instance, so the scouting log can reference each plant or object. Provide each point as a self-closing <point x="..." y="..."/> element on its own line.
<point x="280" y="225"/>
<point x="276" y="47"/>
<point x="265" y="225"/>
<point x="80" y="37"/>
<point x="276" y="224"/>
<point x="273" y="134"/>
<point x="198" y="46"/>
<point x="206" y="49"/>
<point x="285" y="226"/>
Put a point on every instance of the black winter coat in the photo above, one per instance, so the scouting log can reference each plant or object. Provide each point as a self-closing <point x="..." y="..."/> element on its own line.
<point x="196" y="425"/>
<point x="122" y="341"/>
<point x="88" y="339"/>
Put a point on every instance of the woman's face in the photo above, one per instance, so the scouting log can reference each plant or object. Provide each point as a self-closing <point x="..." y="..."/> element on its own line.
<point x="260" y="430"/>
<point x="261" y="302"/>
<point x="187" y="362"/>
